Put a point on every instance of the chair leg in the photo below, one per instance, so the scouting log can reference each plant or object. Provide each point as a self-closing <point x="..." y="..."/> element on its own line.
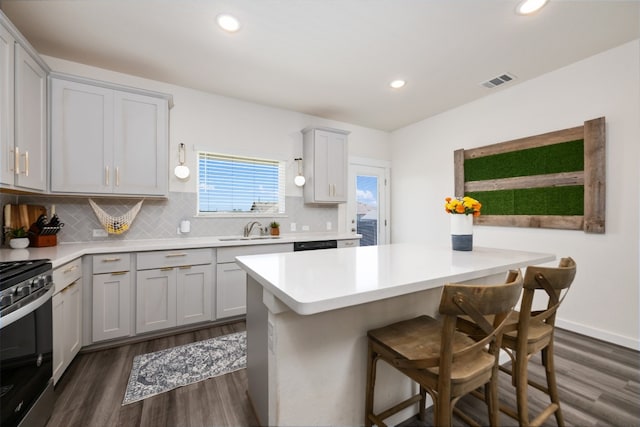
<point x="491" y="397"/>
<point x="372" y="358"/>
<point x="442" y="415"/>
<point x="423" y="404"/>
<point x="520" y="375"/>
<point x="552" y="386"/>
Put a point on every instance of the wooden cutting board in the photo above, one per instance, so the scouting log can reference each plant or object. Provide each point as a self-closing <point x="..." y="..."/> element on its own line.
<point x="16" y="216"/>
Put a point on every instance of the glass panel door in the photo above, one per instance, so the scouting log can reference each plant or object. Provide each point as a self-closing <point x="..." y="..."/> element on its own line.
<point x="367" y="203"/>
<point x="367" y="218"/>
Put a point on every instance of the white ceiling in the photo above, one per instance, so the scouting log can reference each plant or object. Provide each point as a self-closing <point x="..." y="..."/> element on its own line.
<point x="329" y="58"/>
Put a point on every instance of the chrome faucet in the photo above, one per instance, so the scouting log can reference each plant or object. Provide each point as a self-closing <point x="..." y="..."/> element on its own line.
<point x="249" y="227"/>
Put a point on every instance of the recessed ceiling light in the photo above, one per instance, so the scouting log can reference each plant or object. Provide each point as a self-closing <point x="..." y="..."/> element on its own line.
<point x="527" y="7"/>
<point x="397" y="84"/>
<point x="228" y="23"/>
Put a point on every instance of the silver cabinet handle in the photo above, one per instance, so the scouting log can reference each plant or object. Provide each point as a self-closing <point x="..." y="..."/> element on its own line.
<point x="117" y="176"/>
<point x="26" y="163"/>
<point x="166" y="269"/>
<point x="106" y="175"/>
<point x="111" y="259"/>
<point x="175" y="255"/>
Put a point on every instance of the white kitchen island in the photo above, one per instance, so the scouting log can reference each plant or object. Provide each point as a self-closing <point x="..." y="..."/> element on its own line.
<point x="308" y="314"/>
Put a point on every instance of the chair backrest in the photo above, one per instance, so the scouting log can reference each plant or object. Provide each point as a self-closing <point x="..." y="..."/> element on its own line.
<point x="476" y="302"/>
<point x="555" y="281"/>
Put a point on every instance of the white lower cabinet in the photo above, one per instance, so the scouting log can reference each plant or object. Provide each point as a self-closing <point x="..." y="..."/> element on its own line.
<point x="67" y="327"/>
<point x="67" y="316"/>
<point x="111" y="297"/>
<point x="349" y="243"/>
<point x="156" y="300"/>
<point x="231" y="298"/>
<point x="231" y="283"/>
<point x="173" y="288"/>
<point x="194" y="294"/>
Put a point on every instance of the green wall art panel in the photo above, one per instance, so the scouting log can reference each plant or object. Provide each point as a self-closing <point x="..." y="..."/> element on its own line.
<point x="552" y="180"/>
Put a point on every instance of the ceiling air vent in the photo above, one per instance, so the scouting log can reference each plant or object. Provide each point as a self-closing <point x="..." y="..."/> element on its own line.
<point x="497" y="81"/>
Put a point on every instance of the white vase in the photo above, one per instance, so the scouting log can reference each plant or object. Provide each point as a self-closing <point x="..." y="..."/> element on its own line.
<point x="461" y="232"/>
<point x="19" y="242"/>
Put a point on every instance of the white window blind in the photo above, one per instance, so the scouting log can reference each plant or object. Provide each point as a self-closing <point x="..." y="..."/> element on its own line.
<point x="240" y="184"/>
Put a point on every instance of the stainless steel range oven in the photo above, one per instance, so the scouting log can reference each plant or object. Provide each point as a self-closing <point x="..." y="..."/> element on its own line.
<point x="26" y="343"/>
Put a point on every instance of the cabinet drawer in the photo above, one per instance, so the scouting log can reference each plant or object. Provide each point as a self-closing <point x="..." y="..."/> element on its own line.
<point x="174" y="258"/>
<point x="348" y="243"/>
<point x="229" y="254"/>
<point x="111" y="263"/>
<point x="66" y="274"/>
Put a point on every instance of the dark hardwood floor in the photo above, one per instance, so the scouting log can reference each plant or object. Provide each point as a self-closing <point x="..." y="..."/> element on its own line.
<point x="90" y="393"/>
<point x="599" y="386"/>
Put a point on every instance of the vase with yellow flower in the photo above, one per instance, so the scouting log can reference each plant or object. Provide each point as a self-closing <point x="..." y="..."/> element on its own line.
<point x="462" y="210"/>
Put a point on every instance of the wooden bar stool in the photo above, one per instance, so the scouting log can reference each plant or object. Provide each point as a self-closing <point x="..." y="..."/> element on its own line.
<point x="445" y="362"/>
<point x="530" y="331"/>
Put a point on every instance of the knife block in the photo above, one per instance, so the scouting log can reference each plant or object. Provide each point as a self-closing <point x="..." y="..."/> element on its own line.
<point x="40" y="241"/>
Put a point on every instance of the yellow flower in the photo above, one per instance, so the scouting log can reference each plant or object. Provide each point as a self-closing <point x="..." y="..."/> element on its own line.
<point x="462" y="205"/>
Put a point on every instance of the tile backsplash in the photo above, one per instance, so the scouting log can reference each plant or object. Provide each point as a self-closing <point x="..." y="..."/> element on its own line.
<point x="159" y="219"/>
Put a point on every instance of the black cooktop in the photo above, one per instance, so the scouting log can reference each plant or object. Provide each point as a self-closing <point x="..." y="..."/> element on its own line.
<point x="14" y="272"/>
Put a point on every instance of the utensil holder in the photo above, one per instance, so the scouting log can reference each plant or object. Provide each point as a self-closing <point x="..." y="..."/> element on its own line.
<point x="42" y="241"/>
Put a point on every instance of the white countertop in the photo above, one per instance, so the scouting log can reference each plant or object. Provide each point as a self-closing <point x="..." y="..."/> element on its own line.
<point x="66" y="252"/>
<point x="318" y="281"/>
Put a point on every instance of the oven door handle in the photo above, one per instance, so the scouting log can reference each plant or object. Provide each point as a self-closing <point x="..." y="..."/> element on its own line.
<point x="27" y="309"/>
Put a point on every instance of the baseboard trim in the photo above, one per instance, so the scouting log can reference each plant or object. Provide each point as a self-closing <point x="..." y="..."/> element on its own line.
<point x="607" y="336"/>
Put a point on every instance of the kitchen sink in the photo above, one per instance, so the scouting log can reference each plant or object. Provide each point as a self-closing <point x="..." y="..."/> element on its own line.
<point x="241" y="238"/>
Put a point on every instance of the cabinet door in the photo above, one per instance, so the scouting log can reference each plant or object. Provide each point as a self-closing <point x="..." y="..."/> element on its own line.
<point x="67" y="327"/>
<point x="141" y="144"/>
<point x="336" y="163"/>
<point x="194" y="286"/>
<point x="58" y="336"/>
<point x="325" y="157"/>
<point x="231" y="290"/>
<point x="73" y="320"/>
<point x="155" y="299"/>
<point x="81" y="138"/>
<point x="111" y="305"/>
<point x="7" y="48"/>
<point x="30" y="121"/>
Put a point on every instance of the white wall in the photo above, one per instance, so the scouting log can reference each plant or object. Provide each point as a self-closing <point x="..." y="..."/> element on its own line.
<point x="227" y="125"/>
<point x="604" y="298"/>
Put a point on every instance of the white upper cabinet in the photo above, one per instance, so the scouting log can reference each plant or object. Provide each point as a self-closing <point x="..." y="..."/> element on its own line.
<point x="7" y="49"/>
<point x="108" y="140"/>
<point x="23" y="112"/>
<point x="325" y="159"/>
<point x="30" y="130"/>
<point x="141" y="136"/>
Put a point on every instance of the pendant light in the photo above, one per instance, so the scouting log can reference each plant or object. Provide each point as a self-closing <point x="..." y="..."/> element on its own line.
<point x="181" y="171"/>
<point x="299" y="179"/>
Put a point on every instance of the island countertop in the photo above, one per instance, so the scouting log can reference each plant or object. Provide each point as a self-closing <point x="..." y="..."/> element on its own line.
<point x="318" y="281"/>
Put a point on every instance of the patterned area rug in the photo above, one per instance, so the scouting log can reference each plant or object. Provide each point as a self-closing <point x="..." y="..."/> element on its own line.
<point x="155" y="373"/>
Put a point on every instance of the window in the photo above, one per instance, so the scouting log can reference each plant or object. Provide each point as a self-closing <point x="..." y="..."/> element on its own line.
<point x="232" y="184"/>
